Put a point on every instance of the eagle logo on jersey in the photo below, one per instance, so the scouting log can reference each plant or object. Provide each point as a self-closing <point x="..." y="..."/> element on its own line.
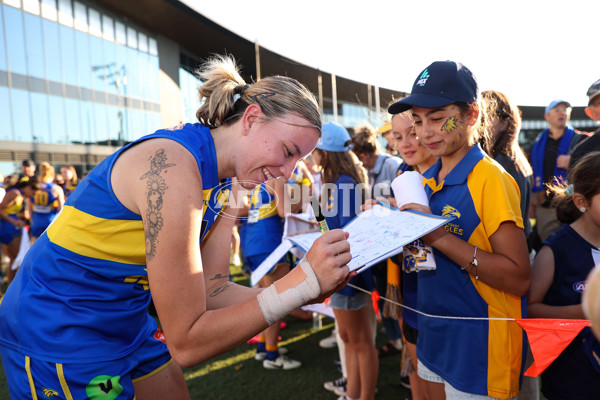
<point x="50" y="393"/>
<point x="449" y="211"/>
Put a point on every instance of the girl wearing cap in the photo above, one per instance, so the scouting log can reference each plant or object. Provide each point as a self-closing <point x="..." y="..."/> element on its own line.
<point x="483" y="270"/>
<point x="75" y="320"/>
<point x="342" y="178"/>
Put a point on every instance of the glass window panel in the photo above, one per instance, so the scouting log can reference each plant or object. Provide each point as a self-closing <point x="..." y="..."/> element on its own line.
<point x="88" y="131"/>
<point x="154" y="73"/>
<point x="131" y="37"/>
<point x="73" y="122"/>
<point x="120" y="35"/>
<point x="152" y="47"/>
<point x="15" y="40"/>
<point x="41" y="122"/>
<point x="49" y="10"/>
<point x="112" y="75"/>
<point x="52" y="43"/>
<point x="98" y="65"/>
<point x="5" y="117"/>
<point x="143" y="42"/>
<point x="101" y="123"/>
<point x="84" y="64"/>
<point x="21" y="115"/>
<point x="108" y="28"/>
<point x="81" y="20"/>
<point x="144" y="74"/>
<point x="133" y="86"/>
<point x="35" y="46"/>
<point x="3" y="65"/>
<point x="14" y="3"/>
<point x="32" y="6"/>
<point x="65" y="12"/>
<point x="95" y="23"/>
<point x="132" y="125"/>
<point x="68" y="55"/>
<point x="58" y="129"/>
<point x="113" y="123"/>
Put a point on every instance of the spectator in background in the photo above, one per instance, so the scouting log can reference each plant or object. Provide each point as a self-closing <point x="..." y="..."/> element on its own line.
<point x="27" y="169"/>
<point x="47" y="202"/>
<point x="382" y="169"/>
<point x="12" y="218"/>
<point x="560" y="270"/>
<point x="70" y="176"/>
<point x="352" y="308"/>
<point x="385" y="130"/>
<point x="503" y="146"/>
<point x="549" y="160"/>
<point x="593" y="111"/>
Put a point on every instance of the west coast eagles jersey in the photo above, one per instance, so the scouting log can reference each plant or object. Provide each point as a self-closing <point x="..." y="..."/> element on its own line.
<point x="81" y="294"/>
<point x="475" y="356"/>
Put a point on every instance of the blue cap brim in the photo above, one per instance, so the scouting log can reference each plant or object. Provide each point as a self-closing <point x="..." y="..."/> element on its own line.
<point x="424" y="100"/>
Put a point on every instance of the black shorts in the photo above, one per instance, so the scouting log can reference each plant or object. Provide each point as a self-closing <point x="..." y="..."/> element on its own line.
<point x="410" y="333"/>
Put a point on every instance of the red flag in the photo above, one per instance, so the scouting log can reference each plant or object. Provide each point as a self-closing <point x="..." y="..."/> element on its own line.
<point x="375" y="300"/>
<point x="548" y="338"/>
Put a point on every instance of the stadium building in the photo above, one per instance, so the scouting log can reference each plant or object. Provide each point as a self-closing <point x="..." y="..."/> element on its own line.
<point x="80" y="78"/>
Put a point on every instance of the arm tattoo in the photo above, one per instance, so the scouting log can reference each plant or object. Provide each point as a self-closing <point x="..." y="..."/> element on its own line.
<point x="156" y="187"/>
<point x="219" y="290"/>
<point x="218" y="276"/>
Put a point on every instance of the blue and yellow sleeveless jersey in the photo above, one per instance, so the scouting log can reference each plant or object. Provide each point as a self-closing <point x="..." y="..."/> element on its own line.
<point x="17" y="206"/>
<point x="44" y="208"/>
<point x="475" y="356"/>
<point x="264" y="227"/>
<point x="82" y="293"/>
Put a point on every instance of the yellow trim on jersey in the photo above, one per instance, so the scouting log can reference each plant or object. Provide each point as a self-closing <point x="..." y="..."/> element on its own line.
<point x="31" y="384"/>
<point x="116" y="240"/>
<point x="63" y="382"/>
<point x="156" y="371"/>
<point x="501" y="304"/>
<point x="266" y="210"/>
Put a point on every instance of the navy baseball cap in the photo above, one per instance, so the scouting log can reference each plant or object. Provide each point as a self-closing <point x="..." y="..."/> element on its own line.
<point x="440" y="84"/>
<point x="334" y="137"/>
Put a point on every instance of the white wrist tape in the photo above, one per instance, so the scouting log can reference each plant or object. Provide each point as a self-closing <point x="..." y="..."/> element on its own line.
<point x="275" y="306"/>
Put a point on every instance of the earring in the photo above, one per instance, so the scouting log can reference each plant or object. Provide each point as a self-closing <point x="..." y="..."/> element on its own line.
<point x="582" y="209"/>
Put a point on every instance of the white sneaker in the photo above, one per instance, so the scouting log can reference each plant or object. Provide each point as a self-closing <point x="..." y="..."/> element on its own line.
<point x="262" y="355"/>
<point x="338" y="386"/>
<point x="329" y="342"/>
<point x="236" y="260"/>
<point x="281" y="362"/>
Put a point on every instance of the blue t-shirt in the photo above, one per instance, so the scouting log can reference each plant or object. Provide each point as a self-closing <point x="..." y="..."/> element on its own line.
<point x="342" y="207"/>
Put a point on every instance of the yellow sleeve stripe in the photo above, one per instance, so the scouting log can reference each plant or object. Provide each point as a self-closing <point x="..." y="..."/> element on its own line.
<point x="115" y="240"/>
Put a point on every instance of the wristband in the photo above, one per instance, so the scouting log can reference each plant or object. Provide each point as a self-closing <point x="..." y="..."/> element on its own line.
<point x="275" y="306"/>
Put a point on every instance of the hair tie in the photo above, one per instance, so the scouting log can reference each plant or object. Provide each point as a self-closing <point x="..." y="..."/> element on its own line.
<point x="569" y="190"/>
<point x="239" y="91"/>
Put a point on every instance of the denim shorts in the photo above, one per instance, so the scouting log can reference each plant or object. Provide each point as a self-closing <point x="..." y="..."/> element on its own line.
<point x="354" y="302"/>
<point x="451" y="392"/>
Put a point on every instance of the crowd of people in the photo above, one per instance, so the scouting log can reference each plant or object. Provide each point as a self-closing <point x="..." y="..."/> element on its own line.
<point x="125" y="238"/>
